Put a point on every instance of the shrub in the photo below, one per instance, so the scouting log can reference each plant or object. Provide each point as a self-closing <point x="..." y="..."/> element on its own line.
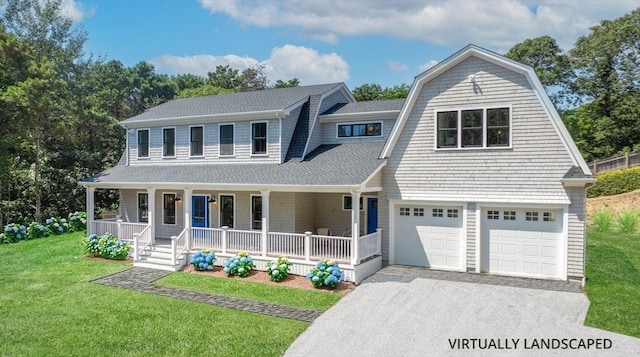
<point x="279" y="269"/>
<point x="628" y="222"/>
<point x="616" y="182"/>
<point x="77" y="221"/>
<point x="602" y="220"/>
<point x="14" y="233"/>
<point x="240" y="265"/>
<point x="57" y="225"/>
<point x="37" y="230"/>
<point x="203" y="260"/>
<point x="90" y="245"/>
<point x="326" y="273"/>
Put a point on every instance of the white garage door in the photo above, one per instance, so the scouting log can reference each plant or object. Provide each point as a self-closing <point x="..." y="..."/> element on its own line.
<point x="522" y="242"/>
<point x="429" y="236"/>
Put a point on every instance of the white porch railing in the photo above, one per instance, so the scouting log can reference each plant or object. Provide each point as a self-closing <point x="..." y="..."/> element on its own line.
<point x="305" y="246"/>
<point x="369" y="245"/>
<point x="123" y="230"/>
<point x="141" y="241"/>
<point x="178" y="245"/>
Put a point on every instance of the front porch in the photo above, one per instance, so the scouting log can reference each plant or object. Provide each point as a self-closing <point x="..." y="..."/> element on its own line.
<point x="358" y="258"/>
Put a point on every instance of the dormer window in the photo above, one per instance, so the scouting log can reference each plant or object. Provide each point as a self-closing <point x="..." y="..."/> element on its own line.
<point x="473" y="128"/>
<point x="143" y="142"/>
<point x="169" y="142"/>
<point x="359" y="129"/>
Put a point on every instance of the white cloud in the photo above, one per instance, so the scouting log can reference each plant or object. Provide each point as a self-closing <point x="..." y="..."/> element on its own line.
<point x="284" y="63"/>
<point x="425" y="66"/>
<point x="496" y="24"/>
<point x="75" y="11"/>
<point x="397" y="66"/>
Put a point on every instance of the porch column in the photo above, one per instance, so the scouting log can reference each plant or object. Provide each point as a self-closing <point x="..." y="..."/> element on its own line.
<point x="186" y="207"/>
<point x="355" y="225"/>
<point x="151" y="210"/>
<point x="90" y="209"/>
<point x="265" y="221"/>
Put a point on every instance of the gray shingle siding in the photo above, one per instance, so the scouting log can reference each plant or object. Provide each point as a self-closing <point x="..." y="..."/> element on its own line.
<point x="576" y="234"/>
<point x="530" y="171"/>
<point x="365" y="106"/>
<point x="330" y="132"/>
<point x="315" y="136"/>
<point x="288" y="126"/>
<point x="471" y="236"/>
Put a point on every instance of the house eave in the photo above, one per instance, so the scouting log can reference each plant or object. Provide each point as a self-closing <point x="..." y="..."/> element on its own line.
<point x="578" y="182"/>
<point x="198" y="119"/>
<point x="225" y="186"/>
<point x="384" y="114"/>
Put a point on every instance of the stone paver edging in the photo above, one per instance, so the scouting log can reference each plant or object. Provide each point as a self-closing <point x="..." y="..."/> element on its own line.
<point x="141" y="279"/>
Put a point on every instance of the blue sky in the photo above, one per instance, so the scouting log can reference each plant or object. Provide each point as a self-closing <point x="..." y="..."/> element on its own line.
<point x="356" y="41"/>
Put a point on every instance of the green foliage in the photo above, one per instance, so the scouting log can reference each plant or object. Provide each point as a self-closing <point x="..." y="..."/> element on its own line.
<point x="107" y="246"/>
<point x="616" y="182"/>
<point x="77" y="221"/>
<point x="372" y="91"/>
<point x="603" y="220"/>
<point x="57" y="225"/>
<point x="203" y="260"/>
<point x="90" y="245"/>
<point x="628" y="222"/>
<point x="13" y="233"/>
<point x="240" y="265"/>
<point x="279" y="269"/>
<point x="37" y="230"/>
<point x="294" y="82"/>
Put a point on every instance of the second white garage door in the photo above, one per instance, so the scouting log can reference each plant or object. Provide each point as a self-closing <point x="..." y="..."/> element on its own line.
<point x="522" y="242"/>
<point x="429" y="236"/>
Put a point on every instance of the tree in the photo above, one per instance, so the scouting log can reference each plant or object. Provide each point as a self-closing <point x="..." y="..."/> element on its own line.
<point x="224" y="77"/>
<point x="552" y="66"/>
<point x="372" y="91"/>
<point x="253" y="78"/>
<point x="294" y="82"/>
<point x="395" y="92"/>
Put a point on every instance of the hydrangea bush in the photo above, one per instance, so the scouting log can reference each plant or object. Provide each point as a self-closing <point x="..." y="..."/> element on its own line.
<point x="203" y="260"/>
<point x="107" y="246"/>
<point x="37" y="230"/>
<point x="77" y="221"/>
<point x="240" y="265"/>
<point x="57" y="225"/>
<point x="279" y="269"/>
<point x="326" y="273"/>
<point x="14" y="233"/>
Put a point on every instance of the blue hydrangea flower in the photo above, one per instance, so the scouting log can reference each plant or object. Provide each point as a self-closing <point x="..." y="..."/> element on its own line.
<point x="60" y="229"/>
<point x="275" y="273"/>
<point x="49" y="220"/>
<point x="315" y="278"/>
<point x="309" y="275"/>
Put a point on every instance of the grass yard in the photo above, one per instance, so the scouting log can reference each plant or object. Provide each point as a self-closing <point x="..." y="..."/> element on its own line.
<point x="49" y="307"/>
<point x="318" y="300"/>
<point x="613" y="281"/>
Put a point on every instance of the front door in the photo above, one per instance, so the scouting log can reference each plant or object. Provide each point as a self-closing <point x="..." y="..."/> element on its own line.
<point x="372" y="214"/>
<point x="199" y="211"/>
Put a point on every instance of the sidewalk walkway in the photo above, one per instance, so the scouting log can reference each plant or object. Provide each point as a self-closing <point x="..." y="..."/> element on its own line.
<point x="141" y="279"/>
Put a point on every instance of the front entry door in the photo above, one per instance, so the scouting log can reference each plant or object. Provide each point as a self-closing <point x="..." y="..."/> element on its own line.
<point x="372" y="214"/>
<point x="200" y="212"/>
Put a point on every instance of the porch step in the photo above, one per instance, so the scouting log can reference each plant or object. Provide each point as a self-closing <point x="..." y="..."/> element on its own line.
<point x="159" y="257"/>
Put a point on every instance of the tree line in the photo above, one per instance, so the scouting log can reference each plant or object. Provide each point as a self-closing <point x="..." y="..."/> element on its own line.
<point x="60" y="107"/>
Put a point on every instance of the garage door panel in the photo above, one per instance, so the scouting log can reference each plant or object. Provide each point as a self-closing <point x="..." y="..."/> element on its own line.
<point x="527" y="246"/>
<point x="425" y="240"/>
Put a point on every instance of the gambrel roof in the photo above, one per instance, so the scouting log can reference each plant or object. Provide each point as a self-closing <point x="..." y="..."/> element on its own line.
<point x="529" y="73"/>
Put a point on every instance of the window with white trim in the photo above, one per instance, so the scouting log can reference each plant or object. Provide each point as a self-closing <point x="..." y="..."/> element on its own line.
<point x="143" y="142"/>
<point x="256" y="212"/>
<point x="197" y="140"/>
<point x="548" y="216"/>
<point x="227" y="210"/>
<point x="509" y="215"/>
<point x="418" y="212"/>
<point x="493" y="215"/>
<point x="347" y="203"/>
<point x="259" y="138"/>
<point x="437" y="212"/>
<point x="169" y="142"/>
<point x="452" y="213"/>
<point x="405" y="211"/>
<point x="531" y="216"/>
<point x="169" y="208"/>
<point x="359" y="129"/>
<point x="143" y="207"/>
<point x="473" y="128"/>
<point x="226" y="140"/>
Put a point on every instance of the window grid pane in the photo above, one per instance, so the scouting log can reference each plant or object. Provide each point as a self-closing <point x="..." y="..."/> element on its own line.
<point x="256" y="212"/>
<point x="452" y="213"/>
<point x="498" y="127"/>
<point x="418" y="212"/>
<point x="531" y="216"/>
<point x="405" y="211"/>
<point x="493" y="215"/>
<point x="472" y="128"/>
<point x="437" y="212"/>
<point x="509" y="215"/>
<point x="169" y="146"/>
<point x="169" y="205"/>
<point x="259" y="133"/>
<point x="143" y="207"/>
<point x="226" y="140"/>
<point x="196" y="141"/>
<point x="143" y="143"/>
<point x="447" y="129"/>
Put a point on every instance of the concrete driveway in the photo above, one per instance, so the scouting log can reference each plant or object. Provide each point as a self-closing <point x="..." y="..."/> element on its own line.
<point x="411" y="316"/>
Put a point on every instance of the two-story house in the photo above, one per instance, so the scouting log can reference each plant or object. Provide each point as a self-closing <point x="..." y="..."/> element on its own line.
<point x="474" y="171"/>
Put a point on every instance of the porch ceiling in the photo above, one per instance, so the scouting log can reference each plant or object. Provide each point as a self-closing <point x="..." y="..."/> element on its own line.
<point x="328" y="168"/>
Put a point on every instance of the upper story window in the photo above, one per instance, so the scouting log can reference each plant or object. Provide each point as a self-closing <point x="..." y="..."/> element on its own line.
<point x="474" y="128"/>
<point x="143" y="142"/>
<point x="197" y="141"/>
<point x="226" y="140"/>
<point x="359" y="129"/>
<point x="259" y="138"/>
<point x="169" y="142"/>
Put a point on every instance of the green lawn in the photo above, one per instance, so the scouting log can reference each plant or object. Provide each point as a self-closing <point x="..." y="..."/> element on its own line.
<point x="318" y="300"/>
<point x="613" y="282"/>
<point x="48" y="307"/>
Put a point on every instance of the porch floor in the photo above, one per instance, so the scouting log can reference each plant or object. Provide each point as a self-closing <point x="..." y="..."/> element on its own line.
<point x="141" y="279"/>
